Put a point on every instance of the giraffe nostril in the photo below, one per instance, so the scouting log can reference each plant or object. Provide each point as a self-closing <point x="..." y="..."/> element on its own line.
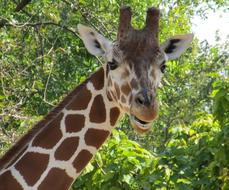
<point x="139" y="100"/>
<point x="144" y="98"/>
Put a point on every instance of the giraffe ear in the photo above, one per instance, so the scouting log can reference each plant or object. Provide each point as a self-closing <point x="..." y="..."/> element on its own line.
<point x="176" y="45"/>
<point x="95" y="43"/>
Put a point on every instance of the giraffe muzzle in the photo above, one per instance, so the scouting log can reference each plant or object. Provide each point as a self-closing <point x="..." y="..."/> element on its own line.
<point x="139" y="125"/>
<point x="144" y="109"/>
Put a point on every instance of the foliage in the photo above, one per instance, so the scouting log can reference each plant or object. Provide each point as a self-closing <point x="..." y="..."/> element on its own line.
<point x="42" y="59"/>
<point x="106" y="171"/>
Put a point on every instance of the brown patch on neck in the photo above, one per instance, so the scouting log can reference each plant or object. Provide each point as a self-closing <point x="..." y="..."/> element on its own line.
<point x="98" y="110"/>
<point x="74" y="123"/>
<point x="67" y="148"/>
<point x="80" y="102"/>
<point x="98" y="80"/>
<point x="51" y="134"/>
<point x="96" y="137"/>
<point x="8" y="182"/>
<point x="82" y="160"/>
<point x="31" y="166"/>
<point x="114" y="115"/>
<point x="56" y="179"/>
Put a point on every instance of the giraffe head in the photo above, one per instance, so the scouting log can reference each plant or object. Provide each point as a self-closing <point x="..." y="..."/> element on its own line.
<point x="135" y="64"/>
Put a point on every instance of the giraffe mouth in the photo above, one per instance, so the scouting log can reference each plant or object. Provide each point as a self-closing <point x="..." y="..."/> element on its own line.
<point x="140" y="125"/>
<point x="143" y="123"/>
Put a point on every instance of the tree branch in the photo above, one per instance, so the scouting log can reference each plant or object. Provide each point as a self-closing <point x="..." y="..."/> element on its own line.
<point x="38" y="24"/>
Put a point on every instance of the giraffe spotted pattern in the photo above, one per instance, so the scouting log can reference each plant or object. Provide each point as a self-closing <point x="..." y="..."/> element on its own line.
<point x="67" y="143"/>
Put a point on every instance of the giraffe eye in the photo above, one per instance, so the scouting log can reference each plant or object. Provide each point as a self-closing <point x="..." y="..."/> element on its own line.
<point x="163" y="67"/>
<point x="112" y="64"/>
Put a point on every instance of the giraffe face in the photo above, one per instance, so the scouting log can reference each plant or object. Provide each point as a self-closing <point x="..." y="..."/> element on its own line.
<point x="133" y="77"/>
<point x="134" y="69"/>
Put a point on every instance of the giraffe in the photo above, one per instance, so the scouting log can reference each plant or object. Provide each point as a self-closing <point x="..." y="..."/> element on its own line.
<point x="55" y="151"/>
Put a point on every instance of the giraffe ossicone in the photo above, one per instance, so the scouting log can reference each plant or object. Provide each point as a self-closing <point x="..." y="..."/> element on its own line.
<point x="53" y="154"/>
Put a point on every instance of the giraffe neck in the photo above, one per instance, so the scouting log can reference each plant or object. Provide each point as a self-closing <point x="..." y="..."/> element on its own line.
<point x="62" y="145"/>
